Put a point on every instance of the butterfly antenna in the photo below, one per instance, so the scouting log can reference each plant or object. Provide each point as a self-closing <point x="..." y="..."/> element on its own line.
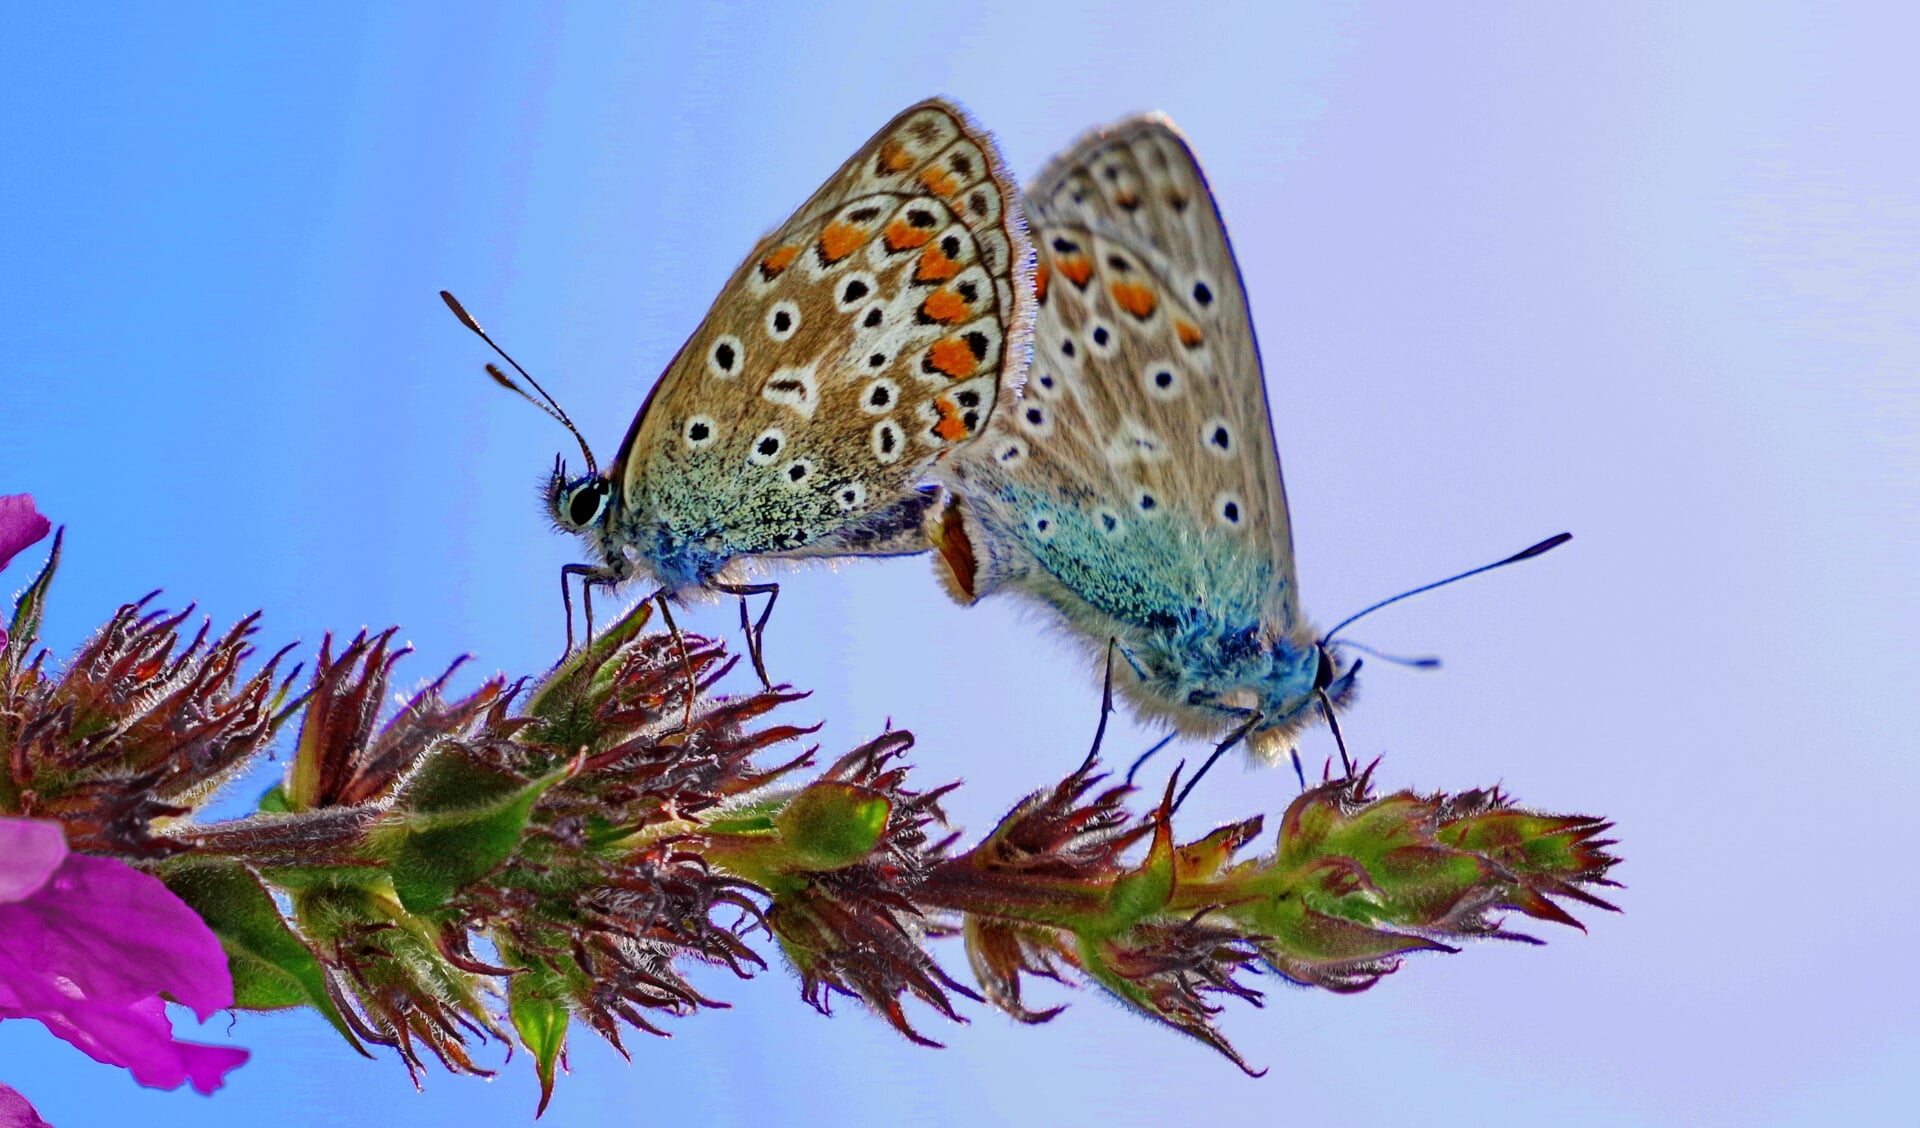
<point x="1529" y="553"/>
<point x="1427" y="662"/>
<point x="545" y="403"/>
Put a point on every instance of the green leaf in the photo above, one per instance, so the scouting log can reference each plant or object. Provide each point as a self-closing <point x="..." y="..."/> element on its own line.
<point x="24" y="630"/>
<point x="456" y="821"/>
<point x="272" y="968"/>
<point x="535" y="1004"/>
<point x="831" y="825"/>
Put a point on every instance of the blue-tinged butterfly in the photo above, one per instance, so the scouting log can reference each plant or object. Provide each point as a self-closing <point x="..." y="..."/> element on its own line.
<point x="1134" y="486"/>
<point x="871" y="334"/>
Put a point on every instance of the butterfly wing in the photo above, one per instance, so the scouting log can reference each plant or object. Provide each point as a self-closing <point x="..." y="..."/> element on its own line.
<point x="871" y="333"/>
<point x="1134" y="485"/>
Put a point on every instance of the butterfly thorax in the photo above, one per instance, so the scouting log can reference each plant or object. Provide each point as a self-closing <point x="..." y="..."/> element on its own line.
<point x="1208" y="677"/>
<point x="636" y="543"/>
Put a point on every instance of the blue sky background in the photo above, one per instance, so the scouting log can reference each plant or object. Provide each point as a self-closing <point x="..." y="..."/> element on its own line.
<point x="1647" y="272"/>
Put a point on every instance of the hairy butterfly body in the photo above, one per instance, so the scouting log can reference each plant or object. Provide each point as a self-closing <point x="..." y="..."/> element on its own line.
<point x="872" y="333"/>
<point x="1134" y="487"/>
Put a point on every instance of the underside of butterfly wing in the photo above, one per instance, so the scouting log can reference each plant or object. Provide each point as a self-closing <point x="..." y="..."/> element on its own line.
<point x="1134" y="486"/>
<point x="874" y="332"/>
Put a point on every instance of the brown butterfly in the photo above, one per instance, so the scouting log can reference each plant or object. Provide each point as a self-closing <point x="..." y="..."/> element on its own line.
<point x="870" y="335"/>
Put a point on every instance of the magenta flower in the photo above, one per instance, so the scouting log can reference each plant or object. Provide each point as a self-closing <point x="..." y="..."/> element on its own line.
<point x="88" y="944"/>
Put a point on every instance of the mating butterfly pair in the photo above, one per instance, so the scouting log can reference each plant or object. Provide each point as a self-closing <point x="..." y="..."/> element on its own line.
<point x="857" y="389"/>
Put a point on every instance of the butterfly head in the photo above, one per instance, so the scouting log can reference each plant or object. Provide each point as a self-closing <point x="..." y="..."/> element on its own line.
<point x="1300" y="686"/>
<point x="577" y="505"/>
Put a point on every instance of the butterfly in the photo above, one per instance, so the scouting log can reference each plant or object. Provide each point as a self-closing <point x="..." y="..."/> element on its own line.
<point x="1134" y="486"/>
<point x="874" y="332"/>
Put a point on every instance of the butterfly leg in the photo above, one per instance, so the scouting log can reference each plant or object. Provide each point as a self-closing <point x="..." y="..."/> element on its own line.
<point x="1346" y="762"/>
<point x="1106" y="710"/>
<point x="757" y="633"/>
<point x="1253" y="717"/>
<point x="686" y="659"/>
<point x="1148" y="755"/>
<point x="589" y="575"/>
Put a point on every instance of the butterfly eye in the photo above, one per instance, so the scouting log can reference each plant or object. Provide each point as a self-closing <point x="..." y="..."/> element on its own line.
<point x="1323" y="676"/>
<point x="584" y="500"/>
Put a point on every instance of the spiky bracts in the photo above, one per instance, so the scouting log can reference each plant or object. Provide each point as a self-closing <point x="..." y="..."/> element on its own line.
<point x="504" y="864"/>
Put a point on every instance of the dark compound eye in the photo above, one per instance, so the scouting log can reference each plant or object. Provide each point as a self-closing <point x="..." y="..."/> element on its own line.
<point x="1323" y="674"/>
<point x="585" y="502"/>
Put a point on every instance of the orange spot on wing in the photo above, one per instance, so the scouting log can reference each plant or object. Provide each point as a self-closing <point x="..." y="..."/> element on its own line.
<point x="935" y="266"/>
<point x="840" y="240"/>
<point x="1135" y="298"/>
<point x="950" y="426"/>
<point x="893" y="158"/>
<point x="904" y="236"/>
<point x="1189" y="333"/>
<point x="953" y="357"/>
<point x="1077" y="270"/>
<point x="945" y="305"/>
<point x="938" y="181"/>
<point x="778" y="260"/>
<point x="1041" y="275"/>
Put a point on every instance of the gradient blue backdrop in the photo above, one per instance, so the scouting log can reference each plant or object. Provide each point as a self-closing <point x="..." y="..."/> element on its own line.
<point x="1647" y="272"/>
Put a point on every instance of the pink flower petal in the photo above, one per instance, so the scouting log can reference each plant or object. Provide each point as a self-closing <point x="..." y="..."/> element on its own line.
<point x="117" y="936"/>
<point x="140" y="1038"/>
<point x="16" y="1112"/>
<point x="90" y="951"/>
<point x="20" y="525"/>
<point x="30" y="850"/>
